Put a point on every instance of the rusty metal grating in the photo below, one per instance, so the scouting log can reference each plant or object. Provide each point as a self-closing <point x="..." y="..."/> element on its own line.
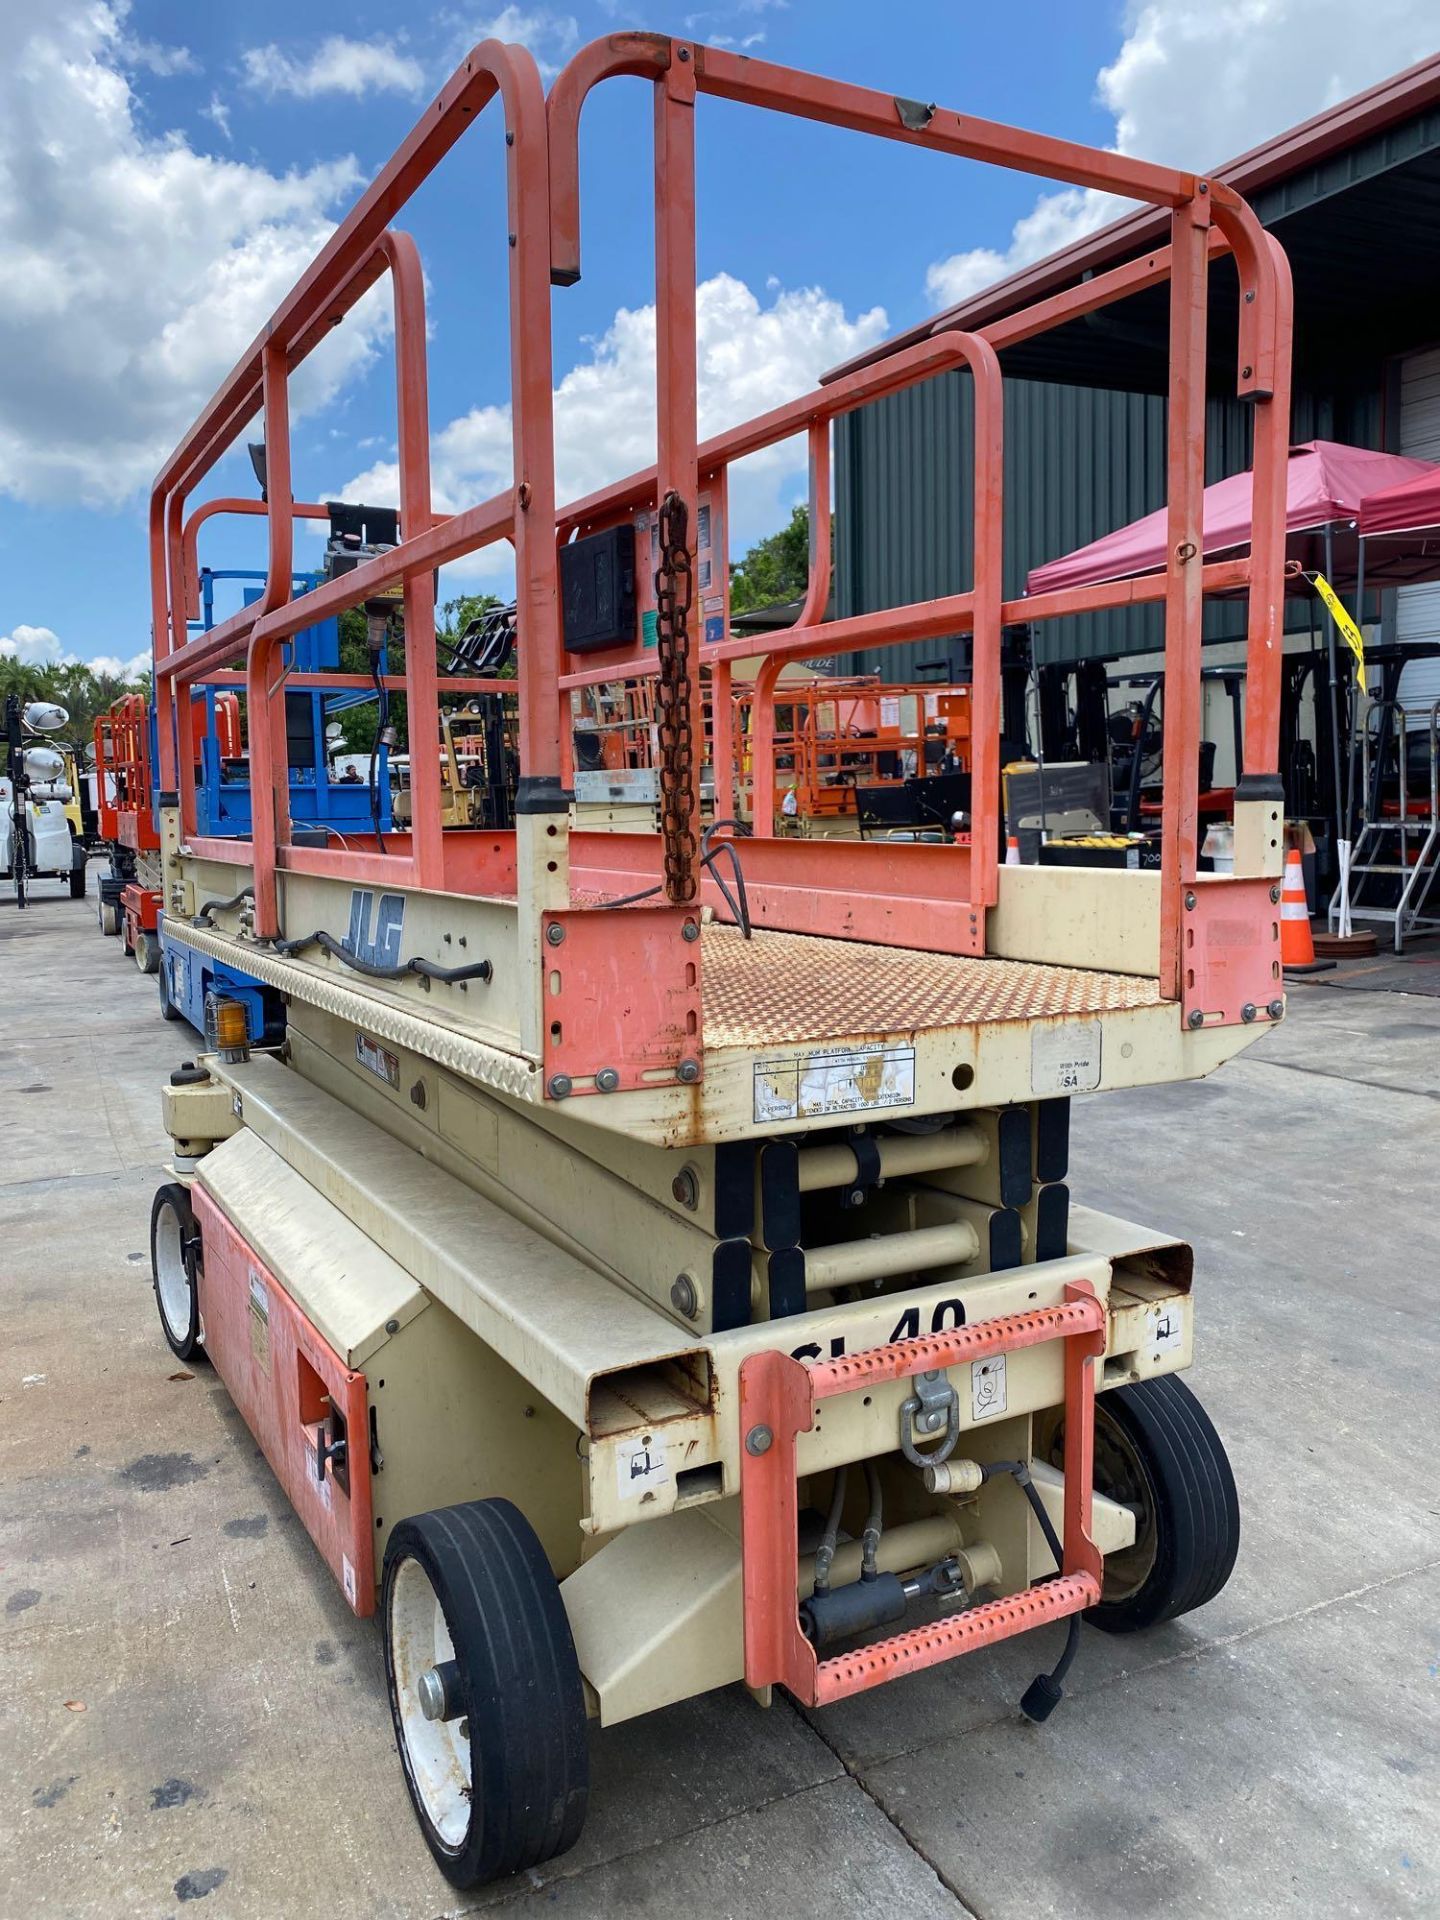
<point x="779" y="987"/>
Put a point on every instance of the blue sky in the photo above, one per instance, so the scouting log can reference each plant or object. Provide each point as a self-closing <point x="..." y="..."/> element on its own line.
<point x="166" y="170"/>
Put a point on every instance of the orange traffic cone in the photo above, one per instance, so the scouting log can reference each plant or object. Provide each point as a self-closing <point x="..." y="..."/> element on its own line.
<point x="1012" y="851"/>
<point x="1297" y="948"/>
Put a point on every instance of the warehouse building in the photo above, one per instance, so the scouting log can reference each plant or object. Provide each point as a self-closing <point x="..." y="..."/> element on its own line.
<point x="1354" y="197"/>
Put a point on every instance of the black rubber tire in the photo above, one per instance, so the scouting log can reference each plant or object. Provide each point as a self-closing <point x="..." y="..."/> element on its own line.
<point x="77" y="876"/>
<point x="168" y="1008"/>
<point x="1190" y="1492"/>
<point x="147" y="951"/>
<point x="520" y="1687"/>
<point x="108" y="915"/>
<point x="173" y="1199"/>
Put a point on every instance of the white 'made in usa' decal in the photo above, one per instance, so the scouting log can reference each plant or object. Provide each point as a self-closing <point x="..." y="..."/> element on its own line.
<point x="1065" y="1057"/>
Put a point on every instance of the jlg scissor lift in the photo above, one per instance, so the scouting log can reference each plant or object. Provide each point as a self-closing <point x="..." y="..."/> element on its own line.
<point x="640" y="1286"/>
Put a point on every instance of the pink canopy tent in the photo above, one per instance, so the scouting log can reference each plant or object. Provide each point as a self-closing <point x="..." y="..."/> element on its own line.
<point x="1325" y="485"/>
<point x="1401" y="531"/>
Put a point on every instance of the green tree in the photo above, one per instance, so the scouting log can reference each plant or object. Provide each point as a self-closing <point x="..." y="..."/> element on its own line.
<point x="82" y="692"/>
<point x="776" y="568"/>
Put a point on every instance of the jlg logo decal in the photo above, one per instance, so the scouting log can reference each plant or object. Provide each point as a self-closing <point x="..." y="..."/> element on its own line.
<point x="380" y="946"/>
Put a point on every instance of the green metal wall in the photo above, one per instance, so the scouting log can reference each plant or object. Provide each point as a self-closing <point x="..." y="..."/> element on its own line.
<point x="1079" y="462"/>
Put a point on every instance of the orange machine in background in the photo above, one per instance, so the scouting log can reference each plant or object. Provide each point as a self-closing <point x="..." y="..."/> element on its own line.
<point x="837" y="740"/>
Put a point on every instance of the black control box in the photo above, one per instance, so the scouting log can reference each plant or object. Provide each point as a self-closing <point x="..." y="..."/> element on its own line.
<point x="597" y="591"/>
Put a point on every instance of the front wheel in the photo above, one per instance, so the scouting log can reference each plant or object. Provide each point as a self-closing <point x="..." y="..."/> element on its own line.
<point x="485" y="1691"/>
<point x="1157" y="1452"/>
<point x="147" y="952"/>
<point x="174" y="1262"/>
<point x="108" y="916"/>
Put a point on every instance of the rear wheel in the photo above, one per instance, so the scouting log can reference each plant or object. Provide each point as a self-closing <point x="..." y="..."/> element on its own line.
<point x="174" y="1262"/>
<point x="147" y="952"/>
<point x="485" y="1691"/>
<point x="1157" y="1452"/>
<point x="77" y="881"/>
<point x="109" y="916"/>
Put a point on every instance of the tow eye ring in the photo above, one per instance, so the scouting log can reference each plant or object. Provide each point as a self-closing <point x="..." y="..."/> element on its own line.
<point x="933" y="1405"/>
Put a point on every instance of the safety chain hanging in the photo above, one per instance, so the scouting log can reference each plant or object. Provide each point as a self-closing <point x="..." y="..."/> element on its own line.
<point x="674" y="593"/>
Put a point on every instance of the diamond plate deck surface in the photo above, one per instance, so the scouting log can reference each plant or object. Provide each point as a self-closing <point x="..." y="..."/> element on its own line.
<point x="792" y="986"/>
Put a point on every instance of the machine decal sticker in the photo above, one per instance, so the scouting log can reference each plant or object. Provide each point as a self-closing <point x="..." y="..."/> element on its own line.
<point x="641" y="1466"/>
<point x="259" y="1322"/>
<point x="1165" y="1328"/>
<point x="1065" y="1057"/>
<point x="377" y="1059"/>
<point x="987" y="1387"/>
<point x="819" y="1083"/>
<point x="347" y="1578"/>
<point x="943" y="1315"/>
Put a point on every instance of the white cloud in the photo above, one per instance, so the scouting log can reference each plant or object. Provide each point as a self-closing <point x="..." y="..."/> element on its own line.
<point x="164" y="62"/>
<point x="35" y="646"/>
<point x="43" y="647"/>
<point x="338" y="65"/>
<point x="551" y="37"/>
<point x="218" y="114"/>
<point x="1194" y="86"/>
<point x="135" y="270"/>
<point x="750" y="357"/>
<point x="118" y="669"/>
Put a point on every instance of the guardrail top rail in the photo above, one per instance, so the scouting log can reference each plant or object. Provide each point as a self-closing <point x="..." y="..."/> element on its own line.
<point x="1212" y="951"/>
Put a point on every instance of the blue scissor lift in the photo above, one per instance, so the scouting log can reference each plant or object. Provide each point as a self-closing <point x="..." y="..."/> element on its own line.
<point x="320" y="807"/>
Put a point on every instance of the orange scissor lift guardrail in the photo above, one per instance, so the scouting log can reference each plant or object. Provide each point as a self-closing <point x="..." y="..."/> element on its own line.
<point x="1213" y="945"/>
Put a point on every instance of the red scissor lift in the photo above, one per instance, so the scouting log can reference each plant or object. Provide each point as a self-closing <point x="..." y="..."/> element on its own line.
<point x="125" y="805"/>
<point x="571" y="1120"/>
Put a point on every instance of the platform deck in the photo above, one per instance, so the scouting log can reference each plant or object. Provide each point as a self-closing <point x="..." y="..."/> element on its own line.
<point x="781" y="987"/>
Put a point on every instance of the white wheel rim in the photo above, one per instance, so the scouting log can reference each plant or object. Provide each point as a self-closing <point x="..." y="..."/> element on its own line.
<point x="437" y="1757"/>
<point x="172" y="1282"/>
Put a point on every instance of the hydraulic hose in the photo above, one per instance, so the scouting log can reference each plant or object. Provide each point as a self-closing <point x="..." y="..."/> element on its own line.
<point x="874" y="1520"/>
<point x="830" y="1540"/>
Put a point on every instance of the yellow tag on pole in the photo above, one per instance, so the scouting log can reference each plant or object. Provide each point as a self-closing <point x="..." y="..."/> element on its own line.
<point x="1351" y="634"/>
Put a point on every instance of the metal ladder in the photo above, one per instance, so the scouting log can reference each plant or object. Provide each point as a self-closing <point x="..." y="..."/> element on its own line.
<point x="1406" y="848"/>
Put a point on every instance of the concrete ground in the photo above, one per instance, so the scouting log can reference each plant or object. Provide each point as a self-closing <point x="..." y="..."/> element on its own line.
<point x="192" y="1714"/>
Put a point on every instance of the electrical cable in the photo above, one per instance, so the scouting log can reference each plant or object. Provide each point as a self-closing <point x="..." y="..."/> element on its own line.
<point x="202" y="917"/>
<point x="382" y="722"/>
<point x="426" y="969"/>
<point x="738" y="902"/>
<point x="1044" y="1693"/>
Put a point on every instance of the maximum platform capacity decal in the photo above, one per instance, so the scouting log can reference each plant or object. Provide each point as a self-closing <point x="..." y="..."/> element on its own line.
<point x="813" y="1084"/>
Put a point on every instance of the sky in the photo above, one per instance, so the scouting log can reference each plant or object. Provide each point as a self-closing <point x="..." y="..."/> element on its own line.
<point x="168" y="169"/>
